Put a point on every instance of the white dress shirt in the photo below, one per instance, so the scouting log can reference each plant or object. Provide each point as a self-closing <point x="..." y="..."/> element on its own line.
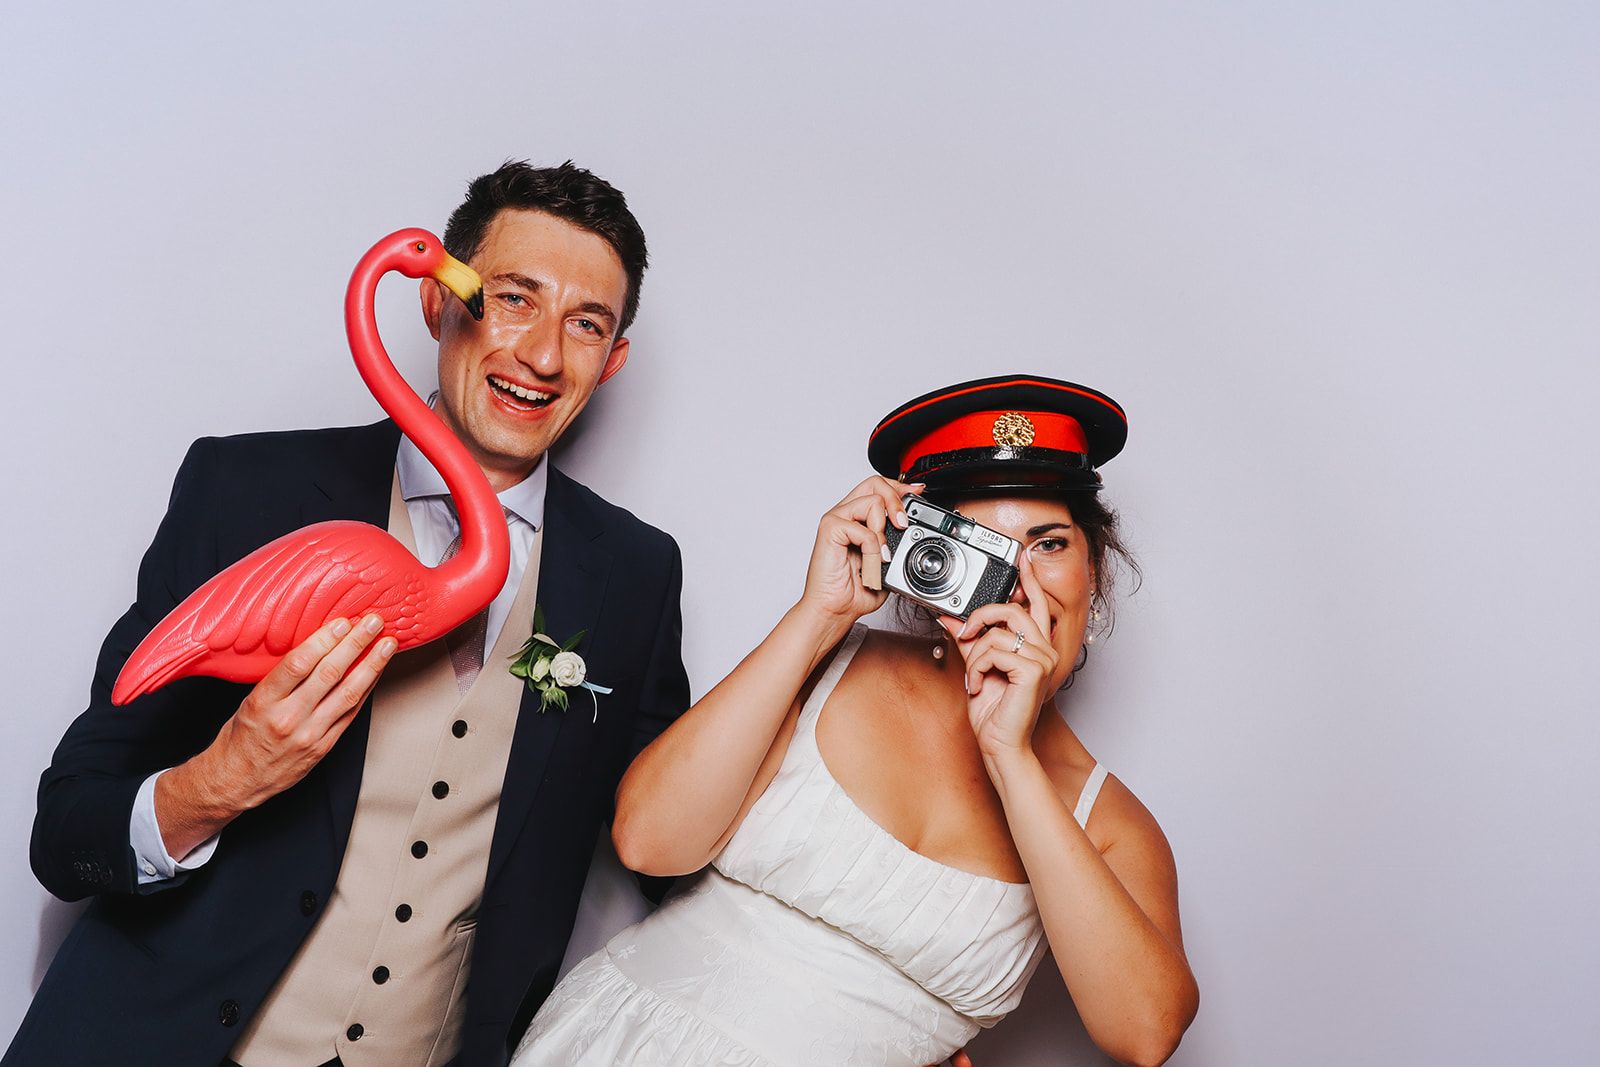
<point x="433" y="522"/>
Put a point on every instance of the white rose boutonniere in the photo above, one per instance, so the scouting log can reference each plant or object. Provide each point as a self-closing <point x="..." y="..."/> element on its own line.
<point x="550" y="669"/>
<point x="568" y="669"/>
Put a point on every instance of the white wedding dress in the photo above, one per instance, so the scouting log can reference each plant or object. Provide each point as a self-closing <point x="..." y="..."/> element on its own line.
<point x="815" y="937"/>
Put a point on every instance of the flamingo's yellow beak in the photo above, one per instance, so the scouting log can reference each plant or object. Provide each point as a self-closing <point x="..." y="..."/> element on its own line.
<point x="463" y="281"/>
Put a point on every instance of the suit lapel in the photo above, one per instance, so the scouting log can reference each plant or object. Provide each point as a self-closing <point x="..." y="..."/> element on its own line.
<point x="572" y="584"/>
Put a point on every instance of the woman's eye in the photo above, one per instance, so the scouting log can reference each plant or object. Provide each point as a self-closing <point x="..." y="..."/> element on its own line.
<point x="1046" y="545"/>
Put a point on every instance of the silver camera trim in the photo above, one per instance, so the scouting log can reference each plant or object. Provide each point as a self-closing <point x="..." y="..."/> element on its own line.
<point x="978" y="546"/>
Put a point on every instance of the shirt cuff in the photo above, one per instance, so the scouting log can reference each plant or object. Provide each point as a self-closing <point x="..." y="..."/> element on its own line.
<point x="149" y="851"/>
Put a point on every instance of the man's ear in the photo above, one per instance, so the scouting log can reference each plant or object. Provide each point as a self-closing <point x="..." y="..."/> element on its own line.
<point x="614" y="362"/>
<point x="432" y="294"/>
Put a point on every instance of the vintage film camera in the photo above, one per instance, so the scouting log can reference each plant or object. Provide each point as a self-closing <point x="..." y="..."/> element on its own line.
<point x="949" y="563"/>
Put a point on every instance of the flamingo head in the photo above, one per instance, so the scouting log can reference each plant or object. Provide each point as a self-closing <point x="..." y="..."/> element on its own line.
<point x="419" y="254"/>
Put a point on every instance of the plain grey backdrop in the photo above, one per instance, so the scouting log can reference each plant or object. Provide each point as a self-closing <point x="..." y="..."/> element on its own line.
<point x="1339" y="261"/>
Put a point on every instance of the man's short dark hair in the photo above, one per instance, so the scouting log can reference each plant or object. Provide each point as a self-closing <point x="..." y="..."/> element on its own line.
<point x="567" y="192"/>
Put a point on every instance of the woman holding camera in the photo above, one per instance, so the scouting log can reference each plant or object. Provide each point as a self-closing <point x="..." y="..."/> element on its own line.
<point x="896" y="825"/>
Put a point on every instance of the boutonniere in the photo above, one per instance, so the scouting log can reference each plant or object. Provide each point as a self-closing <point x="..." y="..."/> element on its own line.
<point x="550" y="669"/>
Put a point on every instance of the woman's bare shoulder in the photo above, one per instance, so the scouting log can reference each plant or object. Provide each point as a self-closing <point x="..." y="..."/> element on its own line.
<point x="1118" y="818"/>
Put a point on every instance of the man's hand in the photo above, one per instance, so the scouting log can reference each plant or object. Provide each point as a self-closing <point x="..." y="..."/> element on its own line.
<point x="283" y="728"/>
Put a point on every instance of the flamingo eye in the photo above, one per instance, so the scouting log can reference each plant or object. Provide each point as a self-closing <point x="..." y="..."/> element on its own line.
<point x="421" y="247"/>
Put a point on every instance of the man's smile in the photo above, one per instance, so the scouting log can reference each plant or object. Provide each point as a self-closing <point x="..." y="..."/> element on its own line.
<point x="518" y="397"/>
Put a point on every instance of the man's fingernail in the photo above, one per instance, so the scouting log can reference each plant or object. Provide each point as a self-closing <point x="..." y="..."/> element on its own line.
<point x="887" y="555"/>
<point x="901" y="519"/>
<point x="341" y="627"/>
<point x="373" y="624"/>
<point x="387" y="646"/>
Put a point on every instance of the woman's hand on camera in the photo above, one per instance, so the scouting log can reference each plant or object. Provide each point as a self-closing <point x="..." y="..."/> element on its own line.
<point x="849" y="532"/>
<point x="1006" y="682"/>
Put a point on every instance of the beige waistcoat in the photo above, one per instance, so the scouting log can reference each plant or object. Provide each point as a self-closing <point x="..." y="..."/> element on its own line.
<point x="400" y="985"/>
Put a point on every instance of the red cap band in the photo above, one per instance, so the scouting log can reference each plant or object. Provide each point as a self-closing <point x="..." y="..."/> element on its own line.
<point x="990" y="429"/>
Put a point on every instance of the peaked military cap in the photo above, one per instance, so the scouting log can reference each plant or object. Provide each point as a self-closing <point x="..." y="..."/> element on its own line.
<point x="1014" y="432"/>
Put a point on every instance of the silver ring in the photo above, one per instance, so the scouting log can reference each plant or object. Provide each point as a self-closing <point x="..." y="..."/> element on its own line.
<point x="1020" y="642"/>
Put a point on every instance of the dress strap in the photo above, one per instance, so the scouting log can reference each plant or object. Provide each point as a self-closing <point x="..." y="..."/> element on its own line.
<point x="830" y="678"/>
<point x="1091" y="792"/>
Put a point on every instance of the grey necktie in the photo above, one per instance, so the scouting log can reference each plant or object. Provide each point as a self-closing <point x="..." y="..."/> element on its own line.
<point x="466" y="642"/>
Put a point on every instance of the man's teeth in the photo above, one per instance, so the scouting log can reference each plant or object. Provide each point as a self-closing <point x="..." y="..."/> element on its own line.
<point x="514" y="389"/>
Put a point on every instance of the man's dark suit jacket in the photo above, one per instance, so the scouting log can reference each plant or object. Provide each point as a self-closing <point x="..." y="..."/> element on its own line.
<point x="170" y="977"/>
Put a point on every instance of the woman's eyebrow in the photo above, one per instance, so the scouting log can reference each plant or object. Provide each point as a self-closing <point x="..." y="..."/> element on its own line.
<point x="1043" y="528"/>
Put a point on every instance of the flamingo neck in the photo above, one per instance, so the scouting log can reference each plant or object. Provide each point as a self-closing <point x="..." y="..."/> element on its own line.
<point x="479" y="569"/>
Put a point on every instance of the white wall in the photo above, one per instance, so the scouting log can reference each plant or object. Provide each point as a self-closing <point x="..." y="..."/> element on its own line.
<point x="1338" y="261"/>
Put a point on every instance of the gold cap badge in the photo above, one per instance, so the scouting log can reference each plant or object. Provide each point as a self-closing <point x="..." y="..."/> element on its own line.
<point x="1013" y="430"/>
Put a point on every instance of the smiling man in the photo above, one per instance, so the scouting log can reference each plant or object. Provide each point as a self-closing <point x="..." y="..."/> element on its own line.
<point x="370" y="857"/>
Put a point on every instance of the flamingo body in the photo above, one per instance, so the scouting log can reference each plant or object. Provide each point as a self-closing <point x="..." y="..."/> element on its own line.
<point x="239" y="624"/>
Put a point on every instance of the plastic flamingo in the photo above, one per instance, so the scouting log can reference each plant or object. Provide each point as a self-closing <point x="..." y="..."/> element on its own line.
<point x="240" y="623"/>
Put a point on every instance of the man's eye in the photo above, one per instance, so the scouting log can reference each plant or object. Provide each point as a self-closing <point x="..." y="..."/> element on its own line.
<point x="588" y="325"/>
<point x="514" y="299"/>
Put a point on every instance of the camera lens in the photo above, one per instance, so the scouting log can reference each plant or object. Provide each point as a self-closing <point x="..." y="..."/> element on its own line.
<point x="934" y="567"/>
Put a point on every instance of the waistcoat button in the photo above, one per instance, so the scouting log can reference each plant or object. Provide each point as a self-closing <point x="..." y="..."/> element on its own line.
<point x="380" y="975"/>
<point x="403" y="913"/>
<point x="459" y="727"/>
<point x="355" y="1032"/>
<point x="441" y="790"/>
<point x="419" y="849"/>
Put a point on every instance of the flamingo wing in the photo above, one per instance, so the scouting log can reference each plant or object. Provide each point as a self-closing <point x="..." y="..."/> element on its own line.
<point x="240" y="623"/>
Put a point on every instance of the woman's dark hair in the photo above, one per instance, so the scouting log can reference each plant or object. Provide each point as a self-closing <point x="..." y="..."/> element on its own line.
<point x="1108" y="556"/>
<point x="567" y="192"/>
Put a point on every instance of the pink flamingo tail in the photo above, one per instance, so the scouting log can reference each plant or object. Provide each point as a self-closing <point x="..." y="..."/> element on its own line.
<point x="155" y="663"/>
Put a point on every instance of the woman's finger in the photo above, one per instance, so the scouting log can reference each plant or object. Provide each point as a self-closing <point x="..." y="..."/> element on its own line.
<point x="877" y="515"/>
<point x="1009" y="615"/>
<point x="1028" y="582"/>
<point x="891" y="492"/>
<point x="863" y="489"/>
<point x="1002" y="640"/>
<point x="1014" y="665"/>
<point x="847" y="534"/>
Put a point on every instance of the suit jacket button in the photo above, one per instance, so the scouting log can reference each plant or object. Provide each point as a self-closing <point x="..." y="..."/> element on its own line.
<point x="308" y="902"/>
<point x="228" y="1012"/>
